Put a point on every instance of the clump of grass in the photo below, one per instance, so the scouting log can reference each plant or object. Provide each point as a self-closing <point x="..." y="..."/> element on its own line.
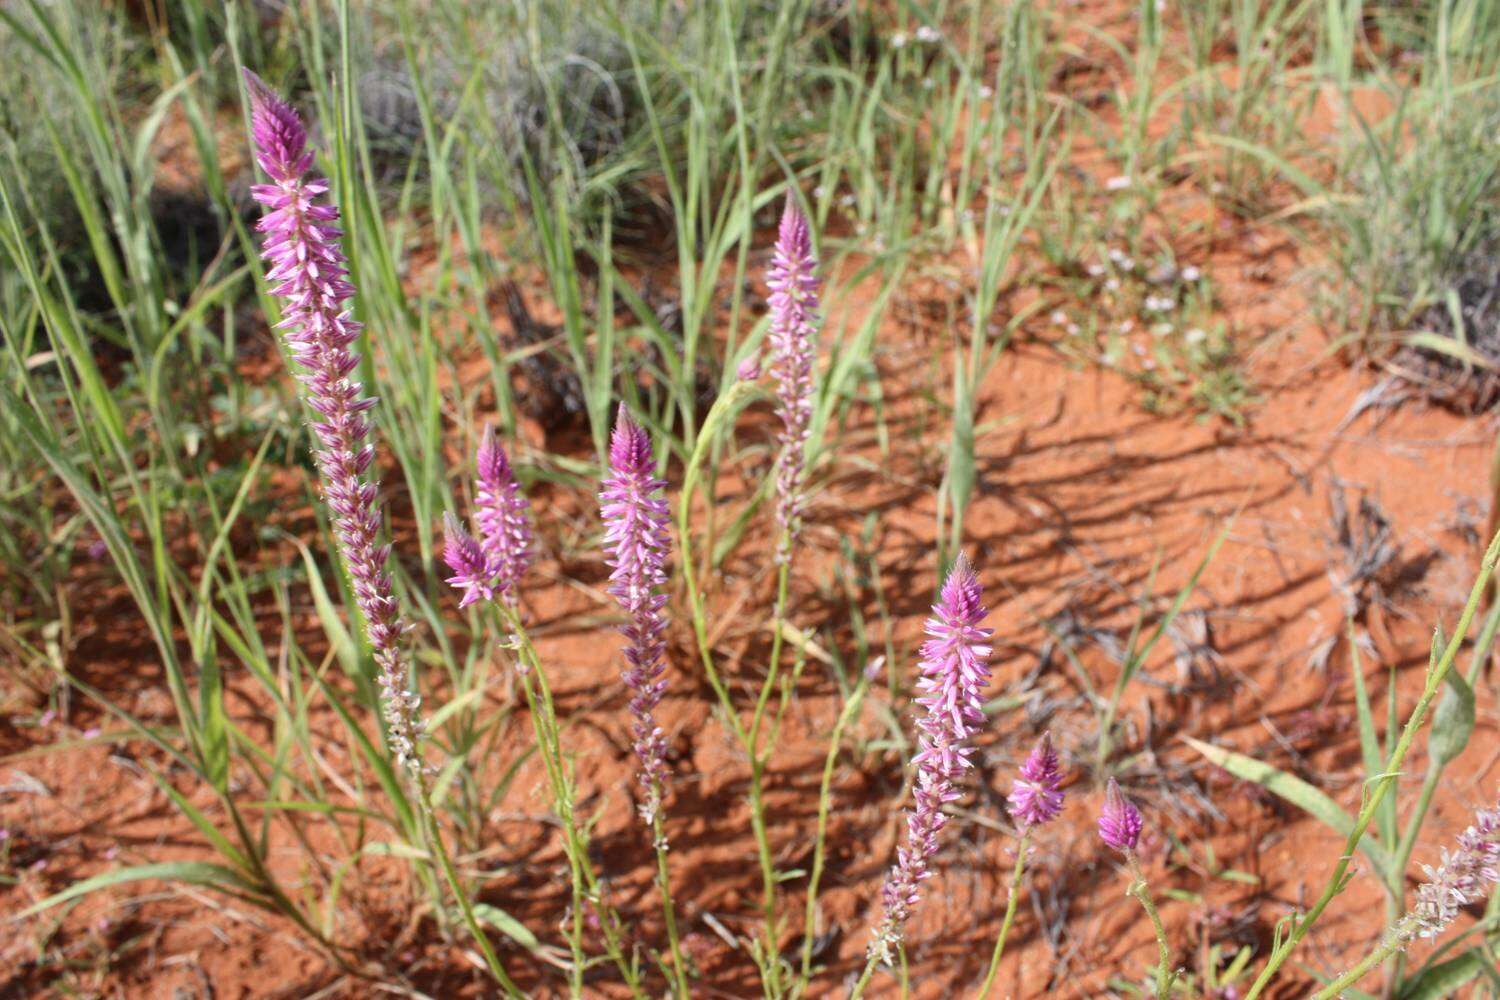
<point x="1420" y="239"/>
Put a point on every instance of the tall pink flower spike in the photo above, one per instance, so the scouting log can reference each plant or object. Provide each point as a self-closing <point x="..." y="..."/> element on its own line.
<point x="636" y="539"/>
<point x="955" y="673"/>
<point x="308" y="273"/>
<point x="792" y="336"/>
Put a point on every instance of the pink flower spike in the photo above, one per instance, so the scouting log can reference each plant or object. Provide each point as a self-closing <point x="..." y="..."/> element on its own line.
<point x="502" y="516"/>
<point x="636" y="539"/>
<point x="1036" y="796"/>
<point x="1119" y="821"/>
<point x="471" y="577"/>
<point x="792" y="337"/>
<point x="307" y="272"/>
<point x="955" y="673"/>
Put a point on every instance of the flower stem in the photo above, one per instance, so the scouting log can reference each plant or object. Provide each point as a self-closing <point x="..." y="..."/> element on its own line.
<point x="864" y="977"/>
<point x="669" y="912"/>
<point x="1383" y="783"/>
<point x="820" y="839"/>
<point x="1387" y="948"/>
<point x="429" y="819"/>
<point x="722" y="413"/>
<point x="1142" y="892"/>
<point x="585" y="884"/>
<point x="1010" y="915"/>
<point x="758" y="762"/>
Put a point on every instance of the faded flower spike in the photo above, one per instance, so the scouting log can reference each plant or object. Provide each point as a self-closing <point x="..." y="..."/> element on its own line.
<point x="307" y="273"/>
<point x="794" y="307"/>
<point x="955" y="672"/>
<point x="1119" y="821"/>
<point x="1464" y="877"/>
<point x="636" y="541"/>
<point x="1036" y="797"/>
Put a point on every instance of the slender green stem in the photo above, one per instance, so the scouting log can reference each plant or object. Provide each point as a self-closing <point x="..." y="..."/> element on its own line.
<point x="864" y="977"/>
<point x="1414" y="823"/>
<point x="771" y="968"/>
<point x="669" y="912"/>
<point x="546" y="737"/>
<point x="1010" y="915"/>
<point x="273" y="889"/>
<point x="758" y="762"/>
<point x="1383" y="782"/>
<point x="585" y="884"/>
<point x="1141" y="891"/>
<point x="820" y="838"/>
<point x="723" y="409"/>
<point x="445" y="861"/>
<point x="778" y="621"/>
<point x="1388" y="947"/>
<point x="722" y="412"/>
<point x="1395" y="895"/>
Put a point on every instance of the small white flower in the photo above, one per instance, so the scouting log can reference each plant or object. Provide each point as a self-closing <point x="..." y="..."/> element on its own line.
<point x="1139" y="349"/>
<point x="1095" y="270"/>
<point x="986" y="91"/>
<point x="1118" y="183"/>
<point x="1110" y="357"/>
<point x="1073" y="330"/>
<point x="819" y="192"/>
<point x="927" y="33"/>
<point x="1149" y="364"/>
<point x="928" y="83"/>
<point x="1162" y="329"/>
<point x="898" y="40"/>
<point x="1112" y="285"/>
<point x="847" y="201"/>
<point x="1116" y="254"/>
<point x="1191" y="274"/>
<point x="1196" y="336"/>
<point x="1126" y="325"/>
<point x="1059" y="317"/>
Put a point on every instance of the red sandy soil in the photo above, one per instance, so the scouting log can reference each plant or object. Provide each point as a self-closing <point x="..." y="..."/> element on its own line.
<point x="1079" y="491"/>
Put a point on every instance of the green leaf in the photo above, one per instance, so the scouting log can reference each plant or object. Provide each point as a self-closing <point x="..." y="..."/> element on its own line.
<point x="1452" y="720"/>
<point x="962" y="470"/>
<point x="507" y="925"/>
<point x="1369" y="742"/>
<point x="384" y="772"/>
<point x="328" y="615"/>
<point x="191" y="872"/>
<point x="214" y="740"/>
<point x="396" y="849"/>
<point x="1299" y="793"/>
<point x="1444" y="979"/>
